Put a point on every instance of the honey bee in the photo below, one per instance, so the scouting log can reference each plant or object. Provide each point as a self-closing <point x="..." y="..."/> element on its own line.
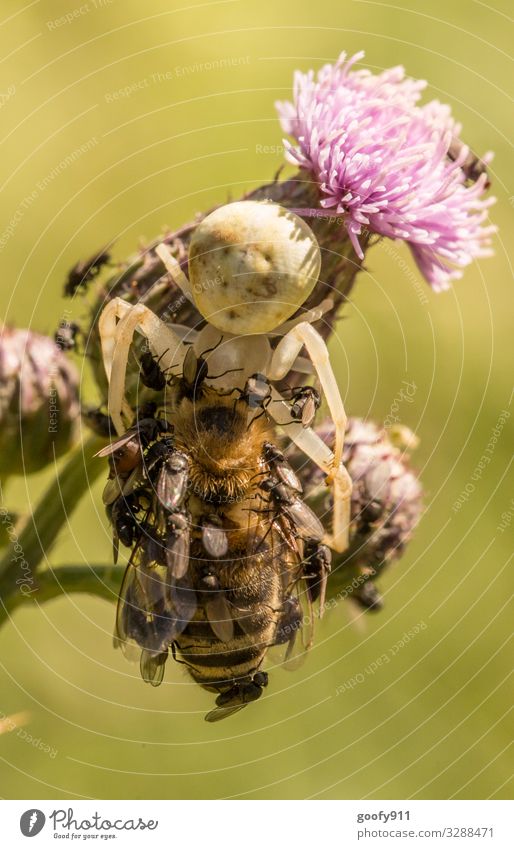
<point x="223" y="545"/>
<point x="225" y="553"/>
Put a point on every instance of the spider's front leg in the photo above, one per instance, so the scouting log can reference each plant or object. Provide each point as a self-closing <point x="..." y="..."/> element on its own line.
<point x="117" y="325"/>
<point x="282" y="361"/>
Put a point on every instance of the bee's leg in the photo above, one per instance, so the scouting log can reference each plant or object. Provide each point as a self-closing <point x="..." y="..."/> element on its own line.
<point x="116" y="337"/>
<point x="173" y="268"/>
<point x="314" y="447"/>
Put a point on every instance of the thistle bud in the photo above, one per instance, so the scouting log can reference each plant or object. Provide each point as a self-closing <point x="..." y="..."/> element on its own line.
<point x="39" y="406"/>
<point x="385" y="505"/>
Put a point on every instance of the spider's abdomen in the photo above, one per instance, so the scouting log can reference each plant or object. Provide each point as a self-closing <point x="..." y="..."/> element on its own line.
<point x="251" y="265"/>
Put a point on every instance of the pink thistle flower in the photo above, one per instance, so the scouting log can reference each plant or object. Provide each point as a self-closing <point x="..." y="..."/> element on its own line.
<point x="390" y="166"/>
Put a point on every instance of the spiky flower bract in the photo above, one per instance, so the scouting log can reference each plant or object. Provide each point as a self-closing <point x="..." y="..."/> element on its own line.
<point x="387" y="164"/>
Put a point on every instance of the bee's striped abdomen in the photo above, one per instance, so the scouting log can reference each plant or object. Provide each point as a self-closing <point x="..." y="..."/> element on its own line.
<point x="252" y="589"/>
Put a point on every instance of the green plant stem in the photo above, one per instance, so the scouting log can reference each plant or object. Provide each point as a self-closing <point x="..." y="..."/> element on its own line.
<point x="22" y="559"/>
<point x="97" y="579"/>
<point x="103" y="581"/>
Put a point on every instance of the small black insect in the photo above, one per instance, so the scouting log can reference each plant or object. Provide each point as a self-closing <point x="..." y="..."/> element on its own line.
<point x="306" y="401"/>
<point x="473" y="167"/>
<point x="126" y="451"/>
<point x="256" y="392"/>
<point x="66" y="335"/>
<point x="236" y="697"/>
<point x="99" y="422"/>
<point x="151" y="373"/>
<point x="306" y="523"/>
<point x="178" y="536"/>
<point x="84" y="272"/>
<point x="122" y="514"/>
<point x="280" y="467"/>
<point x="318" y="559"/>
<point x="195" y="371"/>
<point x="290" y="621"/>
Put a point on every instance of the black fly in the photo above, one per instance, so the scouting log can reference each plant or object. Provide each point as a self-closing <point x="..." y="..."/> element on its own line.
<point x="84" y="271"/>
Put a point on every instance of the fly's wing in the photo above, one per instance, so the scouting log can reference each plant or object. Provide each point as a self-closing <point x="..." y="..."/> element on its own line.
<point x="152" y="667"/>
<point x="153" y="607"/>
<point x="214" y="539"/>
<point x="223" y="712"/>
<point x="306" y="523"/>
<point x="172" y="481"/>
<point x="235" y="699"/>
<point x="317" y="567"/>
<point x="177" y="545"/>
<point x="295" y="630"/>
<point x="286" y="474"/>
<point x="295" y="621"/>
<point x="117" y="444"/>
<point x="245" y="607"/>
<point x="112" y="490"/>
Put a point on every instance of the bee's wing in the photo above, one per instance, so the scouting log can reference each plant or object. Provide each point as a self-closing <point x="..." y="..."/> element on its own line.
<point x="219" y="614"/>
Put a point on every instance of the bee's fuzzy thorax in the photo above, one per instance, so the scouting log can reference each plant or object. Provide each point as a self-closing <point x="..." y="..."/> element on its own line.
<point x="224" y="446"/>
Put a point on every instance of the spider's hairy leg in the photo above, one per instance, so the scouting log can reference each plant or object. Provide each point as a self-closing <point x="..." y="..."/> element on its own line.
<point x="309" y="317"/>
<point x="173" y="268"/>
<point x="282" y="362"/>
<point x="116" y="341"/>
<point x="309" y="442"/>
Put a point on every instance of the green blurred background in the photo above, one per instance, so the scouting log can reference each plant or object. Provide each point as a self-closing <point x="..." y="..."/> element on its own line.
<point x="433" y="723"/>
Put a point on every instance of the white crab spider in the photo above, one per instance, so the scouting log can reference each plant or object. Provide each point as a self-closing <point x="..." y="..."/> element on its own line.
<point x="251" y="266"/>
